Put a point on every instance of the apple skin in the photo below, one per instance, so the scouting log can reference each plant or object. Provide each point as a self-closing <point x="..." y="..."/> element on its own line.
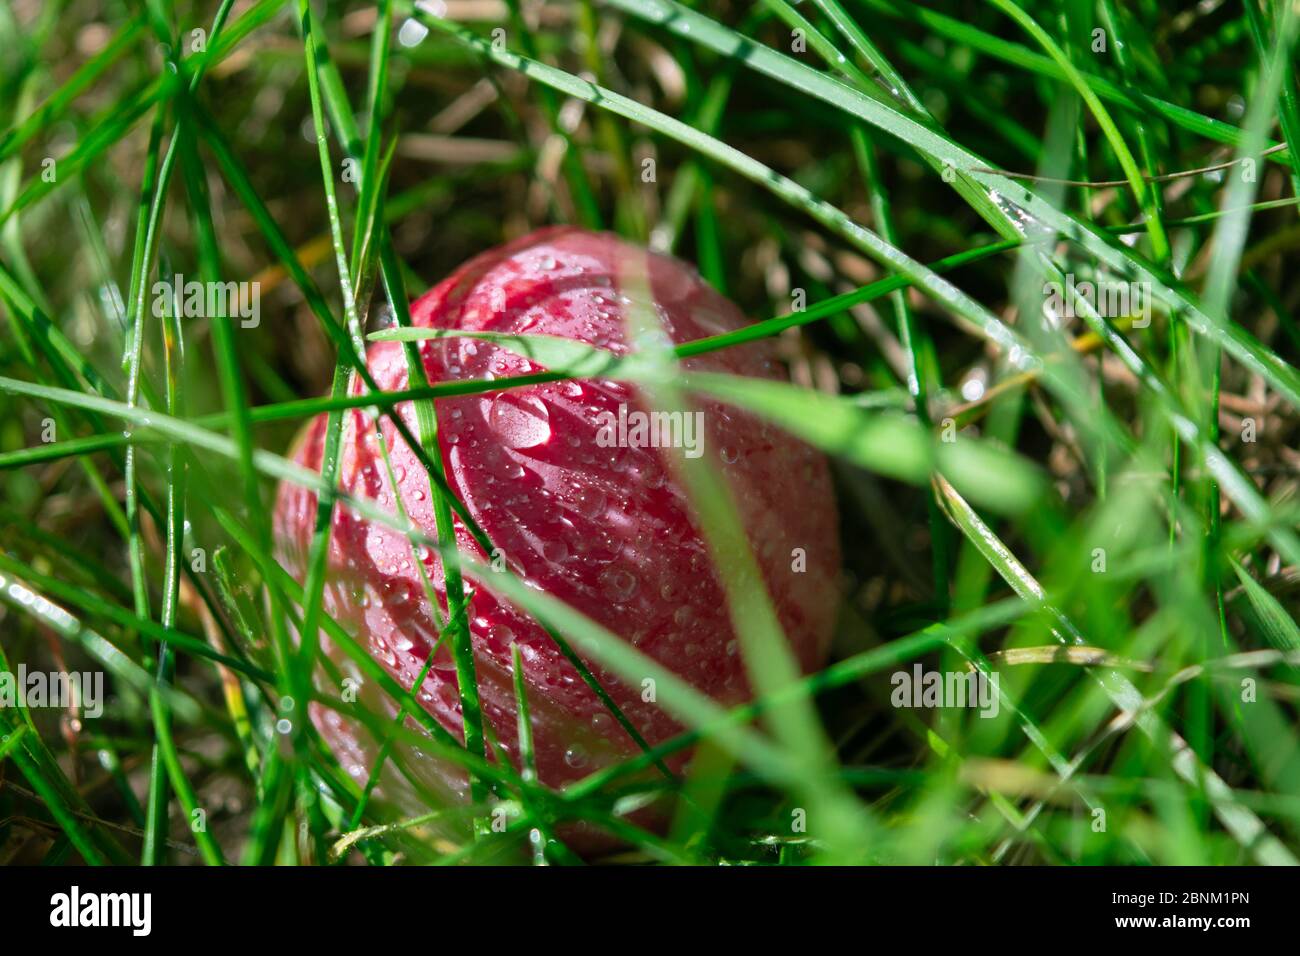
<point x="608" y="530"/>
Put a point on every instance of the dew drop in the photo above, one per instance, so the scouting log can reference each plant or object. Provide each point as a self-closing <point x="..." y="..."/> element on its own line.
<point x="618" y="584"/>
<point x="520" y="421"/>
<point x="591" y="502"/>
<point x="500" y="636"/>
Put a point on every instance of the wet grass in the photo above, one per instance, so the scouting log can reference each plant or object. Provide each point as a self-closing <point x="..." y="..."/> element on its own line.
<point x="1097" y="506"/>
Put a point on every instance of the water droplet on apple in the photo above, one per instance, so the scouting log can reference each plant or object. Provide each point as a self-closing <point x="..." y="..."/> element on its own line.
<point x="520" y="421"/>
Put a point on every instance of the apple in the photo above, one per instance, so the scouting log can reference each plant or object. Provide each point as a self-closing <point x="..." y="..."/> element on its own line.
<point x="581" y="500"/>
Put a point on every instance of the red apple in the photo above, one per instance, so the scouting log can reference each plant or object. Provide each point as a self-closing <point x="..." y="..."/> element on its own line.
<point x="606" y="529"/>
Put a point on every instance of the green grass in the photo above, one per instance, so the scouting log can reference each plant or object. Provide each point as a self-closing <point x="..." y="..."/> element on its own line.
<point x="1072" y="506"/>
